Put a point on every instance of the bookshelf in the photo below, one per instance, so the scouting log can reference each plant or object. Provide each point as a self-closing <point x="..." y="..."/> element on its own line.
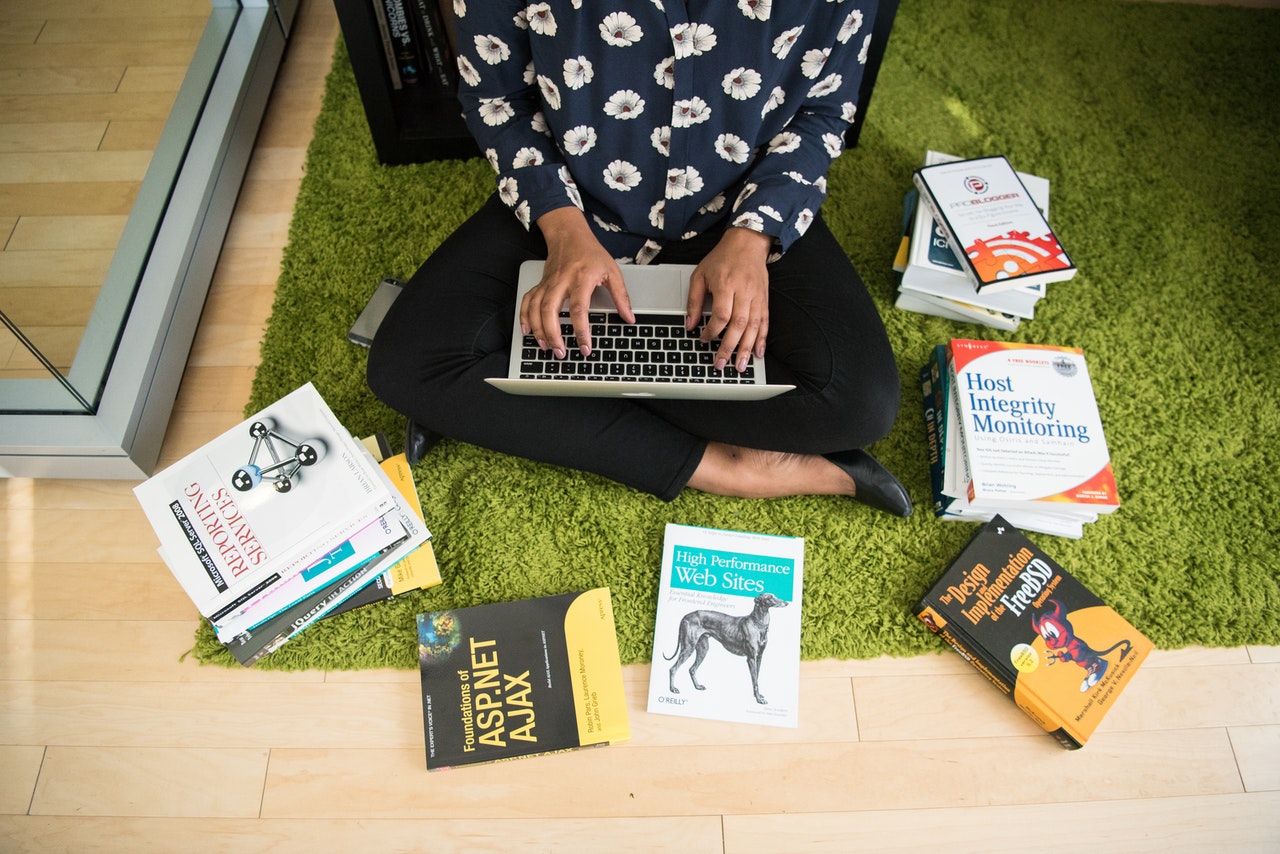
<point x="412" y="124"/>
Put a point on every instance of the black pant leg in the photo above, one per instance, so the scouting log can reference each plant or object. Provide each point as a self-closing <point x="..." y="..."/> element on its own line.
<point x="451" y="328"/>
<point x="825" y="337"/>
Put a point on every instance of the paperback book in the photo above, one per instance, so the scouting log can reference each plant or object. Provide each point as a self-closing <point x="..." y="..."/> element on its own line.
<point x="931" y="272"/>
<point x="936" y="306"/>
<point x="992" y="224"/>
<point x="1035" y="631"/>
<point x="949" y="474"/>
<point x="1030" y="428"/>
<point x="727" y="632"/>
<point x="521" y="678"/>
<point x="263" y="501"/>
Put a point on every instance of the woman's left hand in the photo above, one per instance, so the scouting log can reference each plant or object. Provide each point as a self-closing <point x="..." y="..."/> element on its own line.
<point x="736" y="277"/>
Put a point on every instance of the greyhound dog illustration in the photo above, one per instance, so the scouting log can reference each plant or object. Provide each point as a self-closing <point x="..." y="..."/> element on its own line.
<point x="744" y="635"/>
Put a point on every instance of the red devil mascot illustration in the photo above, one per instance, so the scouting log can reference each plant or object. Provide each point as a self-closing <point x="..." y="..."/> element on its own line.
<point x="1064" y="645"/>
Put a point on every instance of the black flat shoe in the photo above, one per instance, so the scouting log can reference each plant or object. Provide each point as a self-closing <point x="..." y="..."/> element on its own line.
<point x="874" y="485"/>
<point x="417" y="441"/>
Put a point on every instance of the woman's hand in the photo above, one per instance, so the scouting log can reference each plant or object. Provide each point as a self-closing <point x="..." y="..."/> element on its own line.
<point x="576" y="265"/>
<point x="734" y="274"/>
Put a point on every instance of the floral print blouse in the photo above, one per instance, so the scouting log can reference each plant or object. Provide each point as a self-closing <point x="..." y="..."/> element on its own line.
<point x="662" y="119"/>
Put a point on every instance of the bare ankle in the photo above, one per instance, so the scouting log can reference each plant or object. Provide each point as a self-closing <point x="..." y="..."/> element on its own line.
<point x="752" y="473"/>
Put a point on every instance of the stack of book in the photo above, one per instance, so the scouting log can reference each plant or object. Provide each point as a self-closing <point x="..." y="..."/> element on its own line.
<point x="283" y="520"/>
<point x="1014" y="613"/>
<point x="934" y="280"/>
<point x="1014" y="429"/>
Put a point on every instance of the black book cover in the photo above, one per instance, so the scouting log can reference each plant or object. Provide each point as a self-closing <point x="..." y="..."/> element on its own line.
<point x="520" y="678"/>
<point x="1035" y="631"/>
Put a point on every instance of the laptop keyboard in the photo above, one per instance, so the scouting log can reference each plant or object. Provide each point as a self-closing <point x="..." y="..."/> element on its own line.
<point x="656" y="348"/>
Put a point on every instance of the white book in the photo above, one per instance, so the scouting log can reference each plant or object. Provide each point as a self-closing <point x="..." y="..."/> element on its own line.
<point x="932" y="267"/>
<point x="954" y="310"/>
<point x="994" y="228"/>
<point x="1031" y="431"/>
<point x="727" y="634"/>
<point x="263" y="501"/>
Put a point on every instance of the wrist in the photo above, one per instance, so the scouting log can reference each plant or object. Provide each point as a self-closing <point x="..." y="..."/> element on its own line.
<point x="563" y="222"/>
<point x="755" y="244"/>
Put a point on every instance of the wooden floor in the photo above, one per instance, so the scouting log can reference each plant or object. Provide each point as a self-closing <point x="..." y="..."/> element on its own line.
<point x="84" y="94"/>
<point x="110" y="741"/>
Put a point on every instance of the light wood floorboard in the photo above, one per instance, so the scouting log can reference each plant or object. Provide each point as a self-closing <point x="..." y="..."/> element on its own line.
<point x="112" y="740"/>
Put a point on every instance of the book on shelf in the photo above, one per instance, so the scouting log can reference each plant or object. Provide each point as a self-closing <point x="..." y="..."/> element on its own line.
<point x="992" y="224"/>
<point x="521" y="678"/>
<point x="727" y="631"/>
<point x="1033" y="629"/>
<point x="388" y="46"/>
<point x="438" y="56"/>
<point x="447" y="13"/>
<point x="932" y="274"/>
<point x="282" y="507"/>
<point x="403" y="40"/>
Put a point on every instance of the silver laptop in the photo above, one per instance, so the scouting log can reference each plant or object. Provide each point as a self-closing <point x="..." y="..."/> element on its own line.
<point x="653" y="357"/>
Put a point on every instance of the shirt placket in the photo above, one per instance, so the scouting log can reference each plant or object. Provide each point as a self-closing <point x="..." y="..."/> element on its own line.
<point x="681" y="145"/>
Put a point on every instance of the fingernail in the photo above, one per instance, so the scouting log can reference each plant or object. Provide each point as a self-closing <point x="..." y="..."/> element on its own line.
<point x="542" y="345"/>
<point x="586" y="351"/>
<point x="560" y="353"/>
<point x="720" y="363"/>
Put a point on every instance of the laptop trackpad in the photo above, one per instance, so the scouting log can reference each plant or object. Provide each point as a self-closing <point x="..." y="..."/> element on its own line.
<point x="650" y="289"/>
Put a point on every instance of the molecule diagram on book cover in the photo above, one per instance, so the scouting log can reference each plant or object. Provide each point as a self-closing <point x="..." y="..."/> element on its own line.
<point x="282" y="470"/>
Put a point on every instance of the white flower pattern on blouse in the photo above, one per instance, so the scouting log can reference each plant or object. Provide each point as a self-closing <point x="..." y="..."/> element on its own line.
<point x="663" y="120"/>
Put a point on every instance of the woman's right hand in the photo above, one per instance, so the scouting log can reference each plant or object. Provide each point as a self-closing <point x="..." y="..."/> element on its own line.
<point x="576" y="265"/>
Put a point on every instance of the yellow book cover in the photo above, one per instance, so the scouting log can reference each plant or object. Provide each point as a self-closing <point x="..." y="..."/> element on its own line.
<point x="418" y="570"/>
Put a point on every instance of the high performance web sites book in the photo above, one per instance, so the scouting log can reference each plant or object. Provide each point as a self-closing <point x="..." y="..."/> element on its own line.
<point x="521" y="678"/>
<point x="1035" y="631"/>
<point x="726" y="640"/>
<point x="992" y="224"/>
<point x="1030" y="428"/>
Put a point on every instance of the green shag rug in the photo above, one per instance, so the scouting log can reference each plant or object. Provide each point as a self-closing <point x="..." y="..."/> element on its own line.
<point x="1157" y="127"/>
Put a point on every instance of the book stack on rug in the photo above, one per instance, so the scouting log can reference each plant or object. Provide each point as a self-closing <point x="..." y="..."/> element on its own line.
<point x="1014" y="429"/>
<point x="286" y="519"/>
<point x="1022" y="620"/>
<point x="976" y="245"/>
